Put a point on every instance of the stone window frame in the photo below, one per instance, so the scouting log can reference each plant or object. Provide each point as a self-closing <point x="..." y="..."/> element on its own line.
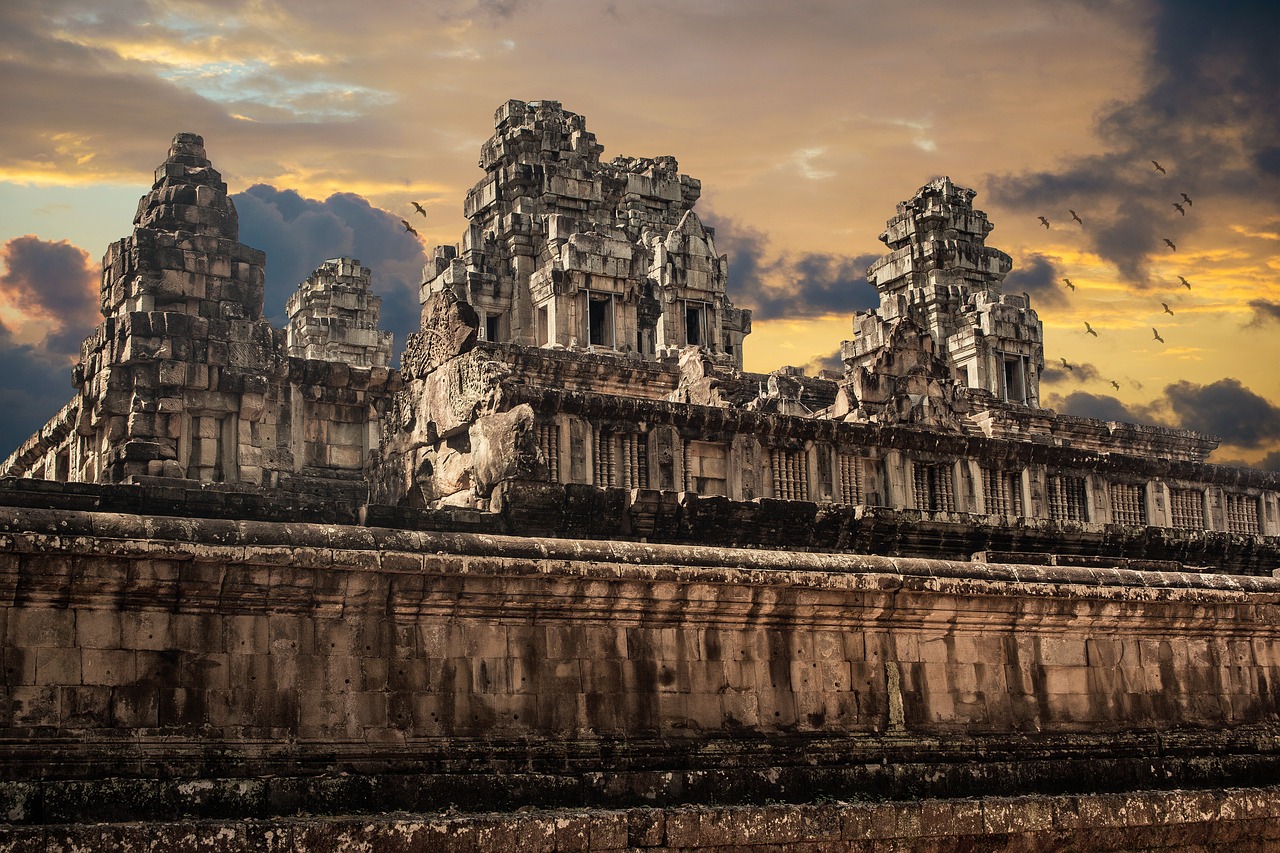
<point x="1067" y="496"/>
<point x="1242" y="513"/>
<point x="933" y="486"/>
<point x="1023" y="362"/>
<point x="705" y="330"/>
<point x="789" y="473"/>
<point x="609" y="335"/>
<point x="1002" y="492"/>
<point x="1183" y="517"/>
<point x="851" y="478"/>
<point x="1128" y="502"/>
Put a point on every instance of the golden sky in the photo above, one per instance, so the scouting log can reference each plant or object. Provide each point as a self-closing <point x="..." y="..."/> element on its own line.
<point x="805" y="121"/>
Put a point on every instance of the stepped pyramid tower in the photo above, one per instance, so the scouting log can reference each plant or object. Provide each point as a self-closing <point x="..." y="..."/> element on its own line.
<point x="941" y="280"/>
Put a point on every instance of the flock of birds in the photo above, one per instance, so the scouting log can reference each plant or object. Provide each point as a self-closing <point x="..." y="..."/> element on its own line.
<point x="420" y="209"/>
<point x="1181" y="208"/>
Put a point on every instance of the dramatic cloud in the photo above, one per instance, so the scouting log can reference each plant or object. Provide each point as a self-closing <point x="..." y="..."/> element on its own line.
<point x="831" y="361"/>
<point x="55" y="282"/>
<point x="1224" y="408"/>
<point x="791" y="285"/>
<point x="298" y="234"/>
<point x="1103" y="407"/>
<point x="1264" y="311"/>
<point x="1270" y="462"/>
<point x="1212" y="67"/>
<point x="33" y="385"/>
<point x="1054" y="373"/>
<point x="1038" y="277"/>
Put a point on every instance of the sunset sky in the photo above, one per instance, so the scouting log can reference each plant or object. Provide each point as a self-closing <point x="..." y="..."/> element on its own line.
<point x="805" y="121"/>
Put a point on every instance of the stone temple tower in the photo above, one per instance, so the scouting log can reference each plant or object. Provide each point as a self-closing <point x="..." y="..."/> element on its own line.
<point x="941" y="279"/>
<point x="565" y="250"/>
<point x="175" y="379"/>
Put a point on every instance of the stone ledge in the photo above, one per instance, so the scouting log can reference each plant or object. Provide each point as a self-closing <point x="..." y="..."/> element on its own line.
<point x="1186" y="821"/>
<point x="34" y="530"/>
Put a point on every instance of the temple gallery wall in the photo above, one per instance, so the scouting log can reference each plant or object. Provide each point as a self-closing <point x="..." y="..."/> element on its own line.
<point x="568" y="555"/>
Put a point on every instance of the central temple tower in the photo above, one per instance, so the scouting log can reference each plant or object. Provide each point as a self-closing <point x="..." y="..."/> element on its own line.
<point x="940" y="279"/>
<point x="567" y="251"/>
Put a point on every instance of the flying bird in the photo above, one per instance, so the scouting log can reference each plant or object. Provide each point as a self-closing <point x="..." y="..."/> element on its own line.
<point x="408" y="227"/>
<point x="1157" y="334"/>
<point x="1185" y="283"/>
<point x="1089" y="329"/>
<point x="1159" y="168"/>
<point x="1075" y="216"/>
<point x="1068" y="283"/>
<point x="1186" y="198"/>
<point x="1115" y="384"/>
<point x="1067" y="365"/>
<point x="1169" y="243"/>
<point x="1179" y="208"/>
<point x="1044" y="222"/>
<point x="1167" y="309"/>
<point x="419" y="208"/>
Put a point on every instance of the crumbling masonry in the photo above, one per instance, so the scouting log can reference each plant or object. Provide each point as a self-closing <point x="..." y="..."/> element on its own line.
<point x="569" y="554"/>
<point x="581" y="334"/>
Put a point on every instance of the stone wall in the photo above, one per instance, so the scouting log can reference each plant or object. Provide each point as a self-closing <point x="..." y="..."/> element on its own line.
<point x="320" y="667"/>
<point x="1236" y="820"/>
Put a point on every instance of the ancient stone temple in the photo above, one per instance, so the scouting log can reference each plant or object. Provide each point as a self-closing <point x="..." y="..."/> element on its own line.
<point x="570" y="579"/>
<point x="566" y="251"/>
<point x="185" y="378"/>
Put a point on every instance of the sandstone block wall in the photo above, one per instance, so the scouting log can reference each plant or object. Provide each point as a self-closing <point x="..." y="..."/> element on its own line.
<point x="344" y="667"/>
<point x="1235" y="820"/>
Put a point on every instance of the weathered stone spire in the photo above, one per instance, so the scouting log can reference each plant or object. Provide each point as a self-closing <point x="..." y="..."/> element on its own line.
<point x="185" y="255"/>
<point x="942" y="281"/>
<point x="189" y="194"/>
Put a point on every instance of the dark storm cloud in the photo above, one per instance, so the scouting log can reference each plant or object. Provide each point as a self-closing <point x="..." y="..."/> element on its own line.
<point x="1213" y="67"/>
<point x="298" y="234"/>
<point x="831" y="361"/>
<point x="1054" y="373"/>
<point x="1270" y="462"/>
<point x="34" y="384"/>
<point x="1040" y="279"/>
<point x="1226" y="409"/>
<point x="55" y="280"/>
<point x="1264" y="311"/>
<point x="1103" y="407"/>
<point x="791" y="286"/>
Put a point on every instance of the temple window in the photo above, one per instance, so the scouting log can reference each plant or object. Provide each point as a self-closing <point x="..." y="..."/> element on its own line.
<point x="934" y="488"/>
<point x="1186" y="507"/>
<point x="1242" y="513"/>
<point x="1067" y="498"/>
<point x="600" y="319"/>
<point x="695" y="323"/>
<point x="1128" y="504"/>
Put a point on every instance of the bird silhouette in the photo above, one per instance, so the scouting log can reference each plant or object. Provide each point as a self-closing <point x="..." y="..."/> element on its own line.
<point x="1044" y="222"/>
<point x="419" y="208"/>
<point x="1066" y="365"/>
<point x="1186" y="198"/>
<point x="1115" y="384"/>
<point x="1169" y="243"/>
<point x="1179" y="208"/>
<point x="1089" y="329"/>
<point x="1157" y="334"/>
<point x="1159" y="168"/>
<point x="1185" y="283"/>
<point x="1075" y="216"/>
<point x="1167" y="309"/>
<point x="1068" y="283"/>
<point x="408" y="227"/>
